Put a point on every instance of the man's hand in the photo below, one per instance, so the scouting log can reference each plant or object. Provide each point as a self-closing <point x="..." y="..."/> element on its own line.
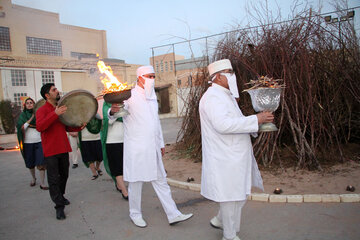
<point x="60" y="110"/>
<point x="83" y="126"/>
<point x="32" y="117"/>
<point x="265" y="117"/>
<point x="115" y="107"/>
<point x="162" y="151"/>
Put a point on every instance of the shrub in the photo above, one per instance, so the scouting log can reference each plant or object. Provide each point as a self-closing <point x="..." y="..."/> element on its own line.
<point x="6" y="116"/>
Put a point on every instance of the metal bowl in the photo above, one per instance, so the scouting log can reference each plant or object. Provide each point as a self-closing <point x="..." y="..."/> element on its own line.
<point x="117" y="97"/>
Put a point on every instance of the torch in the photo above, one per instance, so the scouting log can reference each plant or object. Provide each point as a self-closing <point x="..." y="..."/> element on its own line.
<point x="114" y="91"/>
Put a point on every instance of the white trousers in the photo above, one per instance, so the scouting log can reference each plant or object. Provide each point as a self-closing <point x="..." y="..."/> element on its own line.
<point x="74" y="147"/>
<point x="230" y="216"/>
<point x="163" y="192"/>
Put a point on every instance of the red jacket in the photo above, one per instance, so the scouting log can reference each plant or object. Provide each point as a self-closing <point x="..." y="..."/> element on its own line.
<point x="53" y="133"/>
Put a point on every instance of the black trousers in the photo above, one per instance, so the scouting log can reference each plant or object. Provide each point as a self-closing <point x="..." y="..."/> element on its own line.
<point x="115" y="153"/>
<point x="57" y="174"/>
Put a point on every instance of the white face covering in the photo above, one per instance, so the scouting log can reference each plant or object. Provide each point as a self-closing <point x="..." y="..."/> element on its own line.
<point x="232" y="84"/>
<point x="149" y="88"/>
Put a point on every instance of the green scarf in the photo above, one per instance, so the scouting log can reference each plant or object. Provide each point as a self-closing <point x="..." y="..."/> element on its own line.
<point x="103" y="135"/>
<point x="23" y="118"/>
<point x="94" y="127"/>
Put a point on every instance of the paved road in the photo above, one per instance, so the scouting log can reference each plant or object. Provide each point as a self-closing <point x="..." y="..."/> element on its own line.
<point x="98" y="212"/>
<point x="170" y="128"/>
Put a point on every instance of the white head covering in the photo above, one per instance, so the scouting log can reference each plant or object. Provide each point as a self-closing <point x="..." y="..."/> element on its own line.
<point x="143" y="70"/>
<point x="219" y="66"/>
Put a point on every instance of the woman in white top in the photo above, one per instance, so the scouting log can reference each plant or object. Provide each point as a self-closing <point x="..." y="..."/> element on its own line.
<point x="30" y="143"/>
<point x="90" y="146"/>
<point x="112" y="140"/>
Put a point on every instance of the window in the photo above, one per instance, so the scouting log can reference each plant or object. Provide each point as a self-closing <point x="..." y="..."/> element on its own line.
<point x="5" y="39"/>
<point x="80" y="55"/>
<point x="161" y="66"/>
<point x="17" y="98"/>
<point x="43" y="46"/>
<point x="157" y="66"/>
<point x="190" y="80"/>
<point x="18" y="77"/>
<point x="179" y="82"/>
<point x="171" y="66"/>
<point x="47" y="77"/>
<point x="166" y="67"/>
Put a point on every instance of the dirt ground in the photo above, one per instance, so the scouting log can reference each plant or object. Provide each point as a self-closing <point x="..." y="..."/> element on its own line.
<point x="333" y="179"/>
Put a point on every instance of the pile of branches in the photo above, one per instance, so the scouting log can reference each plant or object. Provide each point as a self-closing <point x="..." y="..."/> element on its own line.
<point x="320" y="107"/>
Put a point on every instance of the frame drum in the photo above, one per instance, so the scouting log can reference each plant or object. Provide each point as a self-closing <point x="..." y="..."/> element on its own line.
<point x="39" y="104"/>
<point x="81" y="107"/>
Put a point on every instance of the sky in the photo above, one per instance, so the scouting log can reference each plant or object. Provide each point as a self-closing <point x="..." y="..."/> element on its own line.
<point x="134" y="27"/>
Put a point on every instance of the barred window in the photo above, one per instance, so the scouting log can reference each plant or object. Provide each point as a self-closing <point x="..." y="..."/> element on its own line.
<point x="47" y="77"/>
<point x="5" y="39"/>
<point x="18" y="77"/>
<point x="190" y="80"/>
<point x="17" y="98"/>
<point x="43" y="46"/>
<point x="157" y="66"/>
<point x="166" y="67"/>
<point x="171" y="65"/>
<point x="161" y="66"/>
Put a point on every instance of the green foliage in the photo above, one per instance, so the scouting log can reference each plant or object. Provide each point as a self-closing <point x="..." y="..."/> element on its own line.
<point x="6" y="116"/>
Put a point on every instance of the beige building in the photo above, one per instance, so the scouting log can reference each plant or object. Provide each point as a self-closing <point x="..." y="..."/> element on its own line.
<point x="175" y="76"/>
<point x="35" y="48"/>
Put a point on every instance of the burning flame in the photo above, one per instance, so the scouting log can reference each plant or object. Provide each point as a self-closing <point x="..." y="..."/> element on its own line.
<point x="111" y="83"/>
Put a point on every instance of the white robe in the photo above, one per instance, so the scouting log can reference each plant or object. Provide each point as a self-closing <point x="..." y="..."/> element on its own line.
<point x="229" y="168"/>
<point x="143" y="139"/>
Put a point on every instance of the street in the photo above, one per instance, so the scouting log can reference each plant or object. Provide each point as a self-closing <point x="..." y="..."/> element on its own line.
<point x="97" y="211"/>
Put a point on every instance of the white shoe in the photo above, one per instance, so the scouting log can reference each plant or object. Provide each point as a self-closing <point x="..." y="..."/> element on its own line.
<point x="180" y="218"/>
<point x="235" y="238"/>
<point x="215" y="222"/>
<point x="140" y="222"/>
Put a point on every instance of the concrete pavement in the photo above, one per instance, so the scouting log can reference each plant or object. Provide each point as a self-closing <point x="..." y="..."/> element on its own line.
<point x="97" y="211"/>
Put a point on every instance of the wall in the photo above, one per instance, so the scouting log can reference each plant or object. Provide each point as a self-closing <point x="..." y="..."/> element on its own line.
<point x="78" y="80"/>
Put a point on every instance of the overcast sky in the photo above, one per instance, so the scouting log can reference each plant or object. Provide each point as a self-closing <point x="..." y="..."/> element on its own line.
<point x="133" y="27"/>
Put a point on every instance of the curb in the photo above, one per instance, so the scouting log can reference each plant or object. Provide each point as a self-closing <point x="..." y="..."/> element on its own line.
<point x="264" y="197"/>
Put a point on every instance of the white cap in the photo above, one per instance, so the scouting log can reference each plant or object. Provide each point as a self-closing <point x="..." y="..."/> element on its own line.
<point x="219" y="66"/>
<point x="143" y="70"/>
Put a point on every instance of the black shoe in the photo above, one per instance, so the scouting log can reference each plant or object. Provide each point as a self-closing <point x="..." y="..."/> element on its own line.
<point x="75" y="166"/>
<point x="66" y="202"/>
<point x="60" y="215"/>
<point x="125" y="197"/>
<point x="44" y="188"/>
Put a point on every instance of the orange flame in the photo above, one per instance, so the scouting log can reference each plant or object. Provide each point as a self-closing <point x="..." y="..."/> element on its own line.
<point x="111" y="83"/>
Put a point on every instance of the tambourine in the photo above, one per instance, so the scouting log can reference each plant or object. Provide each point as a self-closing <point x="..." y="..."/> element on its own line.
<point x="81" y="107"/>
<point x="39" y="104"/>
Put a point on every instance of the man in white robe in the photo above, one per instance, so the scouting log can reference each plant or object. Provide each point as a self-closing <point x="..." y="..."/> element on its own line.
<point x="144" y="147"/>
<point x="229" y="168"/>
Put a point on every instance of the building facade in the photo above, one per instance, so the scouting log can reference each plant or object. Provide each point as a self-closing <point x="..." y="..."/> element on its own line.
<point x="35" y="48"/>
<point x="175" y="76"/>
